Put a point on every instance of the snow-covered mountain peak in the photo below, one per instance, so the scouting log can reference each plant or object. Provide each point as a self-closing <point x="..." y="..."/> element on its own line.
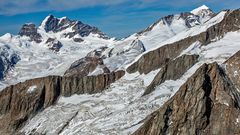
<point x="52" y="23"/>
<point x="203" y="12"/>
<point x="69" y="28"/>
<point x="199" y="9"/>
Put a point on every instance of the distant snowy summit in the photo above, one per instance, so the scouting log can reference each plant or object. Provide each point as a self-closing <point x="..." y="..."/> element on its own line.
<point x="199" y="9"/>
<point x="59" y="28"/>
<point x="202" y="11"/>
<point x="71" y="27"/>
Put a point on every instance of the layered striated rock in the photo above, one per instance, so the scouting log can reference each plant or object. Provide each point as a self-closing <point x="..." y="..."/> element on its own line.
<point x="206" y="104"/>
<point x="22" y="101"/>
<point x="84" y="66"/>
<point x="158" y="57"/>
<point x="232" y="67"/>
<point x="30" y="30"/>
<point x="173" y="70"/>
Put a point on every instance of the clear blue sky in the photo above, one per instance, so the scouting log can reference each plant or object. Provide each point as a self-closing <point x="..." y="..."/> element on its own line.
<point x="118" y="18"/>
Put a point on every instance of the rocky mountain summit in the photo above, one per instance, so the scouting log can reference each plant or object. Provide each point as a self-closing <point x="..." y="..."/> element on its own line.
<point x="179" y="76"/>
<point x="55" y="25"/>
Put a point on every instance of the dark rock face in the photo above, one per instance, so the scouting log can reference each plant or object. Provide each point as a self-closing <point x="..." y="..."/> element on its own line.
<point x="204" y="105"/>
<point x="78" y="40"/>
<point x="173" y="70"/>
<point x="156" y="58"/>
<point x="83" y="66"/>
<point x="30" y="30"/>
<point x="88" y="64"/>
<point x="168" y="19"/>
<point x="191" y="20"/>
<point x="54" y="44"/>
<point x="232" y="67"/>
<point x="54" y="24"/>
<point x="18" y="103"/>
<point x="8" y="59"/>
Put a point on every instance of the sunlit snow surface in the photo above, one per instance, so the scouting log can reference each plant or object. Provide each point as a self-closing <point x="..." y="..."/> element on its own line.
<point x="121" y="108"/>
<point x="37" y="60"/>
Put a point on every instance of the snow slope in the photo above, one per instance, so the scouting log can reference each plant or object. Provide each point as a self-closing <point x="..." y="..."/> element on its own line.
<point x="166" y="28"/>
<point x="120" y="109"/>
<point x="37" y="60"/>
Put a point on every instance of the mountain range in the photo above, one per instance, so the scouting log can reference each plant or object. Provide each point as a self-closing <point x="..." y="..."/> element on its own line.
<point x="179" y="76"/>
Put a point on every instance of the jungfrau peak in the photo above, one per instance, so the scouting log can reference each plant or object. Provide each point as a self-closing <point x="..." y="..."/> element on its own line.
<point x="179" y="76"/>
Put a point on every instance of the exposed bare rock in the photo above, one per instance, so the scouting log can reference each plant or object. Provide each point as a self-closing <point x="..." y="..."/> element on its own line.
<point x="114" y="58"/>
<point x="8" y="59"/>
<point x="156" y="58"/>
<point x="88" y="64"/>
<point x="30" y="30"/>
<point x="232" y="67"/>
<point x="54" y="44"/>
<point x="173" y="70"/>
<point x="54" y="24"/>
<point x="22" y="101"/>
<point x="83" y="66"/>
<point x="189" y="18"/>
<point x="204" y="105"/>
<point x="78" y="40"/>
<point x="97" y="53"/>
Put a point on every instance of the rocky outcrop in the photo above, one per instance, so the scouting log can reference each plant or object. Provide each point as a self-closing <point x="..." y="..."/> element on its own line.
<point x="232" y="68"/>
<point x="54" y="24"/>
<point x="79" y="40"/>
<point x="20" y="102"/>
<point x="155" y="59"/>
<point x="204" y="105"/>
<point x="30" y="30"/>
<point x="84" y="66"/>
<point x="173" y="70"/>
<point x="88" y="64"/>
<point x="105" y="59"/>
<point x="54" y="44"/>
<point x="8" y="59"/>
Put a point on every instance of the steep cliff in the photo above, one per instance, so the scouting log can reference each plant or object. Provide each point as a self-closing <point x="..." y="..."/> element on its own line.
<point x="20" y="102"/>
<point x="204" y="105"/>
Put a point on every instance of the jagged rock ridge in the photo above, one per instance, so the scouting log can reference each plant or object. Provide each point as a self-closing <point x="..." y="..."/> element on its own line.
<point x="54" y="24"/>
<point x="22" y="101"/>
<point x="210" y="91"/>
<point x="204" y="105"/>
